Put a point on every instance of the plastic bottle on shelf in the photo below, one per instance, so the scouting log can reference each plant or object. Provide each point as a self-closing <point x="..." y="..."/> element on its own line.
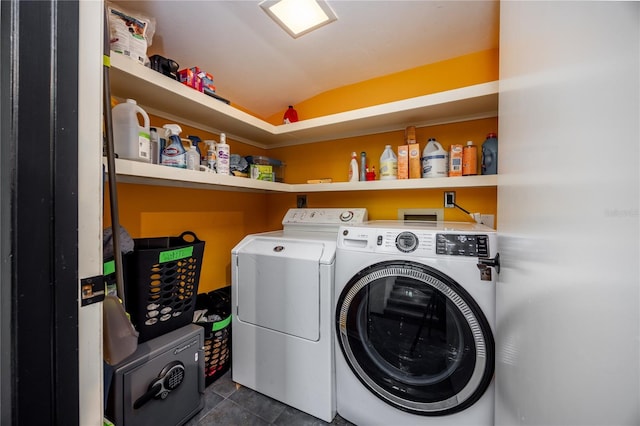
<point x="193" y="157"/>
<point x="435" y="160"/>
<point x="211" y="155"/>
<point x="222" y="156"/>
<point x="490" y="155"/>
<point x="469" y="159"/>
<point x="174" y="154"/>
<point x="131" y="140"/>
<point x="388" y="164"/>
<point x="354" y="176"/>
<point x="363" y="166"/>
<point x="195" y="142"/>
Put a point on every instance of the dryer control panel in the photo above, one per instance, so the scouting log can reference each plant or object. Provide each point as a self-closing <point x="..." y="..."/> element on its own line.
<point x="323" y="219"/>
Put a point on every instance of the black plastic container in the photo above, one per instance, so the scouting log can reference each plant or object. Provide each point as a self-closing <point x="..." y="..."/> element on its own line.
<point x="217" y="334"/>
<point x="161" y="283"/>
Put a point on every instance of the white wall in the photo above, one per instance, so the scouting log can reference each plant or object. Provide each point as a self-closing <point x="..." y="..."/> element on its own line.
<point x="568" y="198"/>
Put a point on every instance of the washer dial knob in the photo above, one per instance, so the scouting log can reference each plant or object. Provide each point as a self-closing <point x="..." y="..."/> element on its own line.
<point x="406" y="242"/>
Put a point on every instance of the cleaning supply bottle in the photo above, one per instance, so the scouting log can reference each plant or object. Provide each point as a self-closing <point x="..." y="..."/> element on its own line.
<point x="354" y="176"/>
<point x="174" y="154"/>
<point x="490" y="155"/>
<point x="195" y="142"/>
<point x="435" y="160"/>
<point x="469" y="159"/>
<point x="131" y="140"/>
<point x="363" y="166"/>
<point x="211" y="155"/>
<point x="222" y="156"/>
<point x="193" y="157"/>
<point x="388" y="164"/>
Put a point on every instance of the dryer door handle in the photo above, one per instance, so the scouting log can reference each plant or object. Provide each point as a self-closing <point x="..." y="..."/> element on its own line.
<point x="484" y="262"/>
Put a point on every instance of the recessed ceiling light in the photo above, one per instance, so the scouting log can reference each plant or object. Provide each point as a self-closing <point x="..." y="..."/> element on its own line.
<point x="298" y="17"/>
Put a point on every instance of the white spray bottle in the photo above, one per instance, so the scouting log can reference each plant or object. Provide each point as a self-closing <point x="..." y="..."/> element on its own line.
<point x="211" y="155"/>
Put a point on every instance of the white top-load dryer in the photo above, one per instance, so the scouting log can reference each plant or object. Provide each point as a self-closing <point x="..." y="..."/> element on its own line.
<point x="281" y="295"/>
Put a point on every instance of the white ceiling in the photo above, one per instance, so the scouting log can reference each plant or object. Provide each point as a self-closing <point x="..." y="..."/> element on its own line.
<point x="258" y="66"/>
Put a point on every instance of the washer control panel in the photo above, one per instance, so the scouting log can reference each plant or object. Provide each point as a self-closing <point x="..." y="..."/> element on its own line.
<point x="462" y="245"/>
<point x="415" y="242"/>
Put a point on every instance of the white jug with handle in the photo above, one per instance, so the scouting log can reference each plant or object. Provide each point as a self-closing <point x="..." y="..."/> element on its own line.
<point x="435" y="160"/>
<point x="131" y="140"/>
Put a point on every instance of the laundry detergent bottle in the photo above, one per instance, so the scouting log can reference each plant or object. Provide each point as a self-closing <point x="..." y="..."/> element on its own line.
<point x="131" y="140"/>
<point x="174" y="154"/>
<point x="490" y="155"/>
<point x="354" y="176"/>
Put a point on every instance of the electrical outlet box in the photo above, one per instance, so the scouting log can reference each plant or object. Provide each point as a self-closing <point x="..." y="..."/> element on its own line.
<point x="301" y="201"/>
<point x="449" y="199"/>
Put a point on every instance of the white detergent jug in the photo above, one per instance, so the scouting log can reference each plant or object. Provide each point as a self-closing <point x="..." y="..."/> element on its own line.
<point x="131" y="140"/>
<point x="435" y="160"/>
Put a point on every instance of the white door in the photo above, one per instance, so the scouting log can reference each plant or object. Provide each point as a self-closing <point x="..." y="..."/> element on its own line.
<point x="568" y="195"/>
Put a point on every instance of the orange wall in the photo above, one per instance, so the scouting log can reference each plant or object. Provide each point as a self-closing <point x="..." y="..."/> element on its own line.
<point x="462" y="71"/>
<point x="222" y="218"/>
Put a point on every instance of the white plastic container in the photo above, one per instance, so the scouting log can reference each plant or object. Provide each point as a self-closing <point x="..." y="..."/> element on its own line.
<point x="435" y="160"/>
<point x="193" y="158"/>
<point x="222" y="156"/>
<point x="131" y="140"/>
<point x="388" y="164"/>
<point x="353" y="168"/>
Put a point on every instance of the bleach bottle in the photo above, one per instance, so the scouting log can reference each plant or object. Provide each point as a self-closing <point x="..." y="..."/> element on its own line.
<point x="174" y="154"/>
<point x="131" y="140"/>
<point x="435" y="160"/>
<point x="388" y="164"/>
<point x="490" y="155"/>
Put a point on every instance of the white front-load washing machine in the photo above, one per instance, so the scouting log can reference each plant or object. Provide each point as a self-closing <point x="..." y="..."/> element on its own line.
<point x="282" y="312"/>
<point x="415" y="322"/>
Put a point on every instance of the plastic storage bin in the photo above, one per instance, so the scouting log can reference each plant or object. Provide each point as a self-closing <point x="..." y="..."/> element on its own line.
<point x="161" y="283"/>
<point x="276" y="165"/>
<point x="217" y="334"/>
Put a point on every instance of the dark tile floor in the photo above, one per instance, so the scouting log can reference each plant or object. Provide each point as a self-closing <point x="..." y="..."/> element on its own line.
<point x="226" y="404"/>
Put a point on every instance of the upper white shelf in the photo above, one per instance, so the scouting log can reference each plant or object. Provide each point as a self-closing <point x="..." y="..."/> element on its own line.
<point x="152" y="174"/>
<point x="161" y="94"/>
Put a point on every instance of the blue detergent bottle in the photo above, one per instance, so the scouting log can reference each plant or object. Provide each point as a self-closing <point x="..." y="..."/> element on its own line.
<point x="490" y="155"/>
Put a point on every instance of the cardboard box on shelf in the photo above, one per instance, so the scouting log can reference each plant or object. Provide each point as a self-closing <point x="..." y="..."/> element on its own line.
<point x="415" y="168"/>
<point x="403" y="162"/>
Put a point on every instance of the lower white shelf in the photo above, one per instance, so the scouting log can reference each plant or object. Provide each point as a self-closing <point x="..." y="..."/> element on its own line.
<point x="153" y="174"/>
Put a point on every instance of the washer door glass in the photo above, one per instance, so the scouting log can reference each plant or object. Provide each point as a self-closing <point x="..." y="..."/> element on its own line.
<point x="415" y="338"/>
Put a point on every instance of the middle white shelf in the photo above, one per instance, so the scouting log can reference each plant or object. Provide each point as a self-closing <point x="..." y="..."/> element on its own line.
<point x="152" y="174"/>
